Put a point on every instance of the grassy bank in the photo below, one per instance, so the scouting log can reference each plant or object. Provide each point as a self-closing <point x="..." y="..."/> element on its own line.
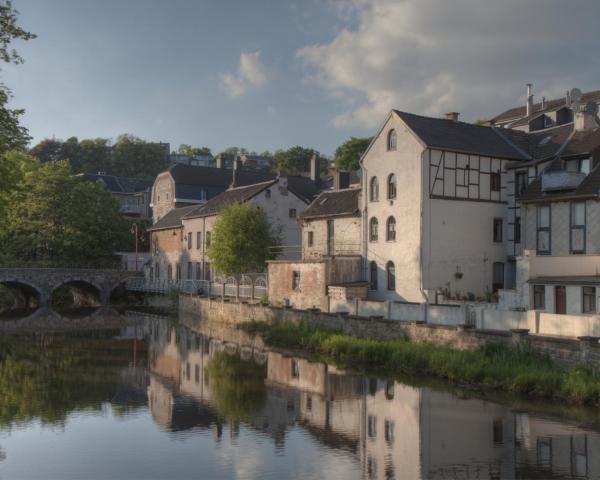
<point x="519" y="370"/>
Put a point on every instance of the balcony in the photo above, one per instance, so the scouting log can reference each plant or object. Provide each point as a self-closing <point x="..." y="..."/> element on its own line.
<point x="561" y="180"/>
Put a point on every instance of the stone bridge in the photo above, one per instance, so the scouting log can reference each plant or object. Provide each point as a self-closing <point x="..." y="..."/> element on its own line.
<point x="35" y="286"/>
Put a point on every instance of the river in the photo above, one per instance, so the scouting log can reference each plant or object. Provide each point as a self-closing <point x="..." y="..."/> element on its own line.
<point x="133" y="395"/>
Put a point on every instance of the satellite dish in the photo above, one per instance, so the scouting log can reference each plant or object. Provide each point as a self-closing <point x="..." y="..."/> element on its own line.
<point x="576" y="95"/>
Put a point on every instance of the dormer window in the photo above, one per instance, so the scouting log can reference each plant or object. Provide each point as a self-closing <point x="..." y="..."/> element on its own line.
<point x="581" y="165"/>
<point x="391" y="140"/>
<point x="548" y="121"/>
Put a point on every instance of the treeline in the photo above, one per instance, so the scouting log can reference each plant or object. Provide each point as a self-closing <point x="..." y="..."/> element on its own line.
<point x="129" y="156"/>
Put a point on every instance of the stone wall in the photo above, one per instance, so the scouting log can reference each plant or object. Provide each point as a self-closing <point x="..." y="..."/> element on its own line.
<point x="569" y="352"/>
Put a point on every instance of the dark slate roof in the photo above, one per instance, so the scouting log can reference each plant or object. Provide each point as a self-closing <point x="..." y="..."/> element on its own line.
<point x="304" y="187"/>
<point x="582" y="143"/>
<point x="547" y="143"/>
<point x="589" y="187"/>
<point x="228" y="197"/>
<point x="461" y="137"/>
<point x="173" y="218"/>
<point x="118" y="184"/>
<point x="551" y="105"/>
<point x="333" y="203"/>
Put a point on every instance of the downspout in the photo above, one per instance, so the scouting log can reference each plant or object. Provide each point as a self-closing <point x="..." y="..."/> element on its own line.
<point x="421" y="254"/>
<point x="364" y="189"/>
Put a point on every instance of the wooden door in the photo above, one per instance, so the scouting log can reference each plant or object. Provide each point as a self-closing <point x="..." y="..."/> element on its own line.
<point x="560" y="299"/>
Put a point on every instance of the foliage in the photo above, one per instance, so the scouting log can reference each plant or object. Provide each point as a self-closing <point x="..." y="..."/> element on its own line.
<point x="348" y="153"/>
<point x="190" y="151"/>
<point x="238" y="387"/>
<point x="243" y="240"/>
<point x="495" y="366"/>
<point x="130" y="156"/>
<point x="51" y="216"/>
<point x="9" y="31"/>
<point x="296" y="160"/>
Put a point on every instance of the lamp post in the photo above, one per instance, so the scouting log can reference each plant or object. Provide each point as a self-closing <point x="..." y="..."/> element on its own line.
<point x="135" y="231"/>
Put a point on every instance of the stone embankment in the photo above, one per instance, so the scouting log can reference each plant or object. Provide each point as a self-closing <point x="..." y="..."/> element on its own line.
<point x="584" y="351"/>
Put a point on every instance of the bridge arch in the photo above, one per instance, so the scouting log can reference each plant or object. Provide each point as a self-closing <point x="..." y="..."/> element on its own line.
<point x="26" y="294"/>
<point x="82" y="292"/>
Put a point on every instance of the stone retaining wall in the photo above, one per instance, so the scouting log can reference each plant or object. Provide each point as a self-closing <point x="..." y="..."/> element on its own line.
<point x="570" y="352"/>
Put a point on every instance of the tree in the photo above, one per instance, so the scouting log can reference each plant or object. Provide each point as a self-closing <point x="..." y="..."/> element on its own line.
<point x="48" y="150"/>
<point x="133" y="157"/>
<point x="296" y="159"/>
<point x="185" y="149"/>
<point x="348" y="153"/>
<point x="12" y="135"/>
<point x="243" y="240"/>
<point x="54" y="217"/>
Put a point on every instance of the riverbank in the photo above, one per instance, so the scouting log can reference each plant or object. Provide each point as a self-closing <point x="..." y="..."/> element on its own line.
<point x="493" y="366"/>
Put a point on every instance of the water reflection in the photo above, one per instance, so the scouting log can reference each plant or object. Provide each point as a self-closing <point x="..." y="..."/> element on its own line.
<point x="221" y="389"/>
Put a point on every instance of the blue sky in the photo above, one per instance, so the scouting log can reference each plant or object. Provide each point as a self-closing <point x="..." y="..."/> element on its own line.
<point x="272" y="74"/>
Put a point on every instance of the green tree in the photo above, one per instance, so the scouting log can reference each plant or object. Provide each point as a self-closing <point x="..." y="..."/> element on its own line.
<point x="243" y="240"/>
<point x="190" y="151"/>
<point x="48" y="150"/>
<point x="52" y="216"/>
<point x="348" y="153"/>
<point x="134" y="157"/>
<point x="296" y="159"/>
<point x="92" y="156"/>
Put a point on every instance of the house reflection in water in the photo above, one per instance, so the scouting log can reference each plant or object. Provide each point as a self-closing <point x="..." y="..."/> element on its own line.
<point x="395" y="430"/>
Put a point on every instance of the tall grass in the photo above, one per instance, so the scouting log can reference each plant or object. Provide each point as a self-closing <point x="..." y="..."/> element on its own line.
<point x="494" y="366"/>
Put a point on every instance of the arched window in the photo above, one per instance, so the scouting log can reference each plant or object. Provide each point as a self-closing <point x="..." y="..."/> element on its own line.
<point x="373" y="229"/>
<point x="391" y="140"/>
<point x="373" y="275"/>
<point x="374" y="189"/>
<point x="157" y="271"/>
<point x="170" y="272"/>
<point x="391" y="187"/>
<point x="390" y="230"/>
<point x="390" y="271"/>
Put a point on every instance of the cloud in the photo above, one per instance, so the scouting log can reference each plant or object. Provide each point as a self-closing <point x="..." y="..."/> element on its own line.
<point x="471" y="56"/>
<point x="251" y="74"/>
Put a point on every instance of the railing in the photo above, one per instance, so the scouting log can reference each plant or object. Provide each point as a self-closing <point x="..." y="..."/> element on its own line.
<point x="251" y="286"/>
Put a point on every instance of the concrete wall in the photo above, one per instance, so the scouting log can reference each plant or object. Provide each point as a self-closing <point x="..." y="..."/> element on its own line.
<point x="406" y="163"/>
<point x="312" y="291"/>
<point x="347" y="237"/>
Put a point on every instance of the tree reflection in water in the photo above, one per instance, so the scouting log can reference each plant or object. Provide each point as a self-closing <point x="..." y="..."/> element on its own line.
<point x="238" y="386"/>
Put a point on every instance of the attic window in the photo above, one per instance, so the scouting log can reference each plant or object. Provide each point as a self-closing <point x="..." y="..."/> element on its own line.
<point x="545" y="140"/>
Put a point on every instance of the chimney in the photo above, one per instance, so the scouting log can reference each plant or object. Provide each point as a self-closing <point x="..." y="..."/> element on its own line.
<point x="529" y="100"/>
<point x="568" y="99"/>
<point x="282" y="181"/>
<point x="219" y="161"/>
<point x="585" y="117"/>
<point x="341" y="180"/>
<point x="452" y="116"/>
<point x="315" y="168"/>
<point x="543" y="103"/>
<point x="234" y="169"/>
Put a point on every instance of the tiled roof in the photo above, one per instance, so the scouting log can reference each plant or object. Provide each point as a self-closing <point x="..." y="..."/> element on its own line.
<point x="172" y="219"/>
<point x="550" y="105"/>
<point x="461" y="137"/>
<point x="333" y="203"/>
<point x="582" y="142"/>
<point x="118" y="184"/>
<point x="228" y="197"/>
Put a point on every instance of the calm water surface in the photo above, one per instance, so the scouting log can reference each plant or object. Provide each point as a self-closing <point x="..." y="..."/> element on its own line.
<point x="137" y="396"/>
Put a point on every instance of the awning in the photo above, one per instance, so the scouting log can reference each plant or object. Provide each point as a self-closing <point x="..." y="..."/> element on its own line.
<point x="570" y="280"/>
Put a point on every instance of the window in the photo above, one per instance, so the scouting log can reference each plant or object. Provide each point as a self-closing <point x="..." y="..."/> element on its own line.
<point x="391" y="187"/>
<point x="295" y="280"/>
<point x="372" y="426"/>
<point x="544" y="452"/>
<point x="178" y="271"/>
<point x="391" y="140"/>
<point x="560" y="299"/>
<point x="203" y="195"/>
<point x="295" y="368"/>
<point x="198" y="271"/>
<point x="292" y="213"/>
<point x="190" y="270"/>
<point x="497" y="230"/>
<point x="206" y="270"/>
<point x="543" y="230"/>
<point x="187" y="370"/>
<point x="268" y="193"/>
<point x="495" y="182"/>
<point x="577" y="227"/>
<point x="189" y="240"/>
<point x="311" y="239"/>
<point x="588" y="304"/>
<point x="151" y="274"/>
<point x="391" y="276"/>
<point x="374" y="190"/>
<point x="389" y="432"/>
<point x="371" y="468"/>
<point x="157" y="271"/>
<point x="581" y="165"/>
<point x="208" y="234"/>
<point x="517" y="229"/>
<point x="373" y="229"/>
<point x="308" y="403"/>
<point x="498" y="273"/>
<point x="198" y="240"/>
<point x="197" y="374"/>
<point x="389" y="390"/>
<point x="539" y="297"/>
<point x="520" y="183"/>
<point x="155" y="243"/>
<point x="498" y="431"/>
<point x="373" y="275"/>
<point x="170" y="272"/>
<point x="390" y="229"/>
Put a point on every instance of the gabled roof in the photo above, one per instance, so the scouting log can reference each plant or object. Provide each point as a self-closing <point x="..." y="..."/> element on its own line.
<point x="460" y="137"/>
<point x="117" y="184"/>
<point x="172" y="219"/>
<point x="549" y="106"/>
<point x="334" y="203"/>
<point x="228" y="197"/>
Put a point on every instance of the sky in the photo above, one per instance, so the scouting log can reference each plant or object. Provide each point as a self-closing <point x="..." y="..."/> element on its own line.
<point x="269" y="74"/>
